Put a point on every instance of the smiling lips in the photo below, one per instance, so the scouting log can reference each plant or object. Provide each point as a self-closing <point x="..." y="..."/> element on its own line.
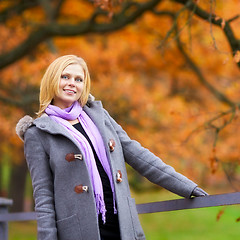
<point x="69" y="91"/>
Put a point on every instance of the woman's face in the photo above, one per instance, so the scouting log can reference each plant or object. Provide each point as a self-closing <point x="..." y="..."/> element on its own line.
<point x="70" y="87"/>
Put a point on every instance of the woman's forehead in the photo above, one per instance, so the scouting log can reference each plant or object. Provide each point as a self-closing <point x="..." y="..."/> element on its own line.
<point x="75" y="69"/>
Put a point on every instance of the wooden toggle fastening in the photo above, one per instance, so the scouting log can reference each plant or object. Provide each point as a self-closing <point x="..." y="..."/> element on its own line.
<point x="78" y="156"/>
<point x="112" y="145"/>
<point x="71" y="157"/>
<point x="119" y="176"/>
<point x="80" y="188"/>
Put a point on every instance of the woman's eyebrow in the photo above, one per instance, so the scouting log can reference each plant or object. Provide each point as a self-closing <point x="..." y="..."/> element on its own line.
<point x="77" y="75"/>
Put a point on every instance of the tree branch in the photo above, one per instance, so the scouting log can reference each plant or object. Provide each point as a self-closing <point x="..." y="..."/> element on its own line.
<point x="174" y="17"/>
<point x="119" y="21"/>
<point x="25" y="97"/>
<point x="57" y="9"/>
<point x="51" y="11"/>
<point x="234" y="18"/>
<point x="17" y="9"/>
<point x="210" y="124"/>
<point x="232" y="40"/>
<point x="220" y="96"/>
<point x="48" y="9"/>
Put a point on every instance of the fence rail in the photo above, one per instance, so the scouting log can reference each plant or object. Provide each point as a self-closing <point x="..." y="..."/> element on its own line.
<point x="197" y="202"/>
<point x="152" y="207"/>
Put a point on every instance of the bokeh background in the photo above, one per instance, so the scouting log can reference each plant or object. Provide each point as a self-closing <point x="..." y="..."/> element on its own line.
<point x="166" y="70"/>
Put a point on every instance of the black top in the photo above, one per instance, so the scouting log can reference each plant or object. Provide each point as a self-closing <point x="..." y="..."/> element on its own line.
<point x="109" y="230"/>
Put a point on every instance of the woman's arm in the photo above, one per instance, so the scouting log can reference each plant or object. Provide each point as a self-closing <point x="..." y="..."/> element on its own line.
<point x="42" y="182"/>
<point x="152" y="167"/>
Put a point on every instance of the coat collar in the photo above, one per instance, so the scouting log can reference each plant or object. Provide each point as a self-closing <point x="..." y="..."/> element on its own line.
<point x="94" y="110"/>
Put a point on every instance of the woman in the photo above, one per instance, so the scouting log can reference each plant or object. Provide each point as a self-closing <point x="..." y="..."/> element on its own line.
<point x="76" y="155"/>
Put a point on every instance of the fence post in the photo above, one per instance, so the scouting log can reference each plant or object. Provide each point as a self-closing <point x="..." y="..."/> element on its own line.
<point x="4" y="203"/>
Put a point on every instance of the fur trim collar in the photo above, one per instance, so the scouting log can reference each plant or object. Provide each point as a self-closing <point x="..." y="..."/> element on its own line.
<point x="27" y="121"/>
<point x="22" y="126"/>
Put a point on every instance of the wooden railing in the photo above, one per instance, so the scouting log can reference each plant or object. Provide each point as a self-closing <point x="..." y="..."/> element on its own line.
<point x="164" y="206"/>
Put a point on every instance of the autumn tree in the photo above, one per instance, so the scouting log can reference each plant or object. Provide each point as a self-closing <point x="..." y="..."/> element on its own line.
<point x="165" y="69"/>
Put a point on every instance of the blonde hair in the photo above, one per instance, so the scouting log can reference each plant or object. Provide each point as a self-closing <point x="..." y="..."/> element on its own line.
<point x="49" y="87"/>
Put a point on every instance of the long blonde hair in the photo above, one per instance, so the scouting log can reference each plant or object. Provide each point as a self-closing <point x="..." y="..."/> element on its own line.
<point x="49" y="87"/>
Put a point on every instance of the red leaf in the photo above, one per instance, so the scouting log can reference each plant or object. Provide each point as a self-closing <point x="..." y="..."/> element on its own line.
<point x="221" y="212"/>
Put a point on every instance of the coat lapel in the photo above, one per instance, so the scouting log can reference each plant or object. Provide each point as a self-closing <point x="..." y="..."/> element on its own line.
<point x="46" y="124"/>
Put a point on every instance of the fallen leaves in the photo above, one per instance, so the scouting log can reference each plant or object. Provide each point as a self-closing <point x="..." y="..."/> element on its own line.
<point x="220" y="213"/>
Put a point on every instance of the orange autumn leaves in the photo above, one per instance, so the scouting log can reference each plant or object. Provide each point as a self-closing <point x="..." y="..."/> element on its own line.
<point x="153" y="94"/>
<point x="237" y="57"/>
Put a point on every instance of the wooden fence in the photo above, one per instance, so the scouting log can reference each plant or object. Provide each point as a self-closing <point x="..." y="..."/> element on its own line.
<point x="153" y="207"/>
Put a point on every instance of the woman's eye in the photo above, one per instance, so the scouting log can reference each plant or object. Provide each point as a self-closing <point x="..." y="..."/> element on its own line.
<point x="79" y="80"/>
<point x="64" y="77"/>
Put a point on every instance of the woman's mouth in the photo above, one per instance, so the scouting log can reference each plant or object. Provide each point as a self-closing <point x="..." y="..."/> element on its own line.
<point x="69" y="91"/>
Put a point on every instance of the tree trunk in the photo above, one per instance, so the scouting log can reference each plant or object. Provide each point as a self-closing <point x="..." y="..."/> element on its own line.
<point x="17" y="186"/>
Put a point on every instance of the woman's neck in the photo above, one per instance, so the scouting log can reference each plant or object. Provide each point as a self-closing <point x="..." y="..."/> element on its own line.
<point x="73" y="121"/>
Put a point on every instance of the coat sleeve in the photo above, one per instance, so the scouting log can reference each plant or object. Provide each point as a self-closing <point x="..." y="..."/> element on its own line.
<point x="151" y="166"/>
<point x="42" y="182"/>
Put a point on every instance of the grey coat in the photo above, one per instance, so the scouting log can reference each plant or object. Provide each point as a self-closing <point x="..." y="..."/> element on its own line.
<point x="65" y="207"/>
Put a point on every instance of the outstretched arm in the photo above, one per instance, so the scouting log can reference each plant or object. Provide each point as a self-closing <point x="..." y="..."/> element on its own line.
<point x="152" y="167"/>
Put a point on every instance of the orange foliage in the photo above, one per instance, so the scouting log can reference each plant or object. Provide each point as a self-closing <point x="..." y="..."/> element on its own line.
<point x="237" y="57"/>
<point x="152" y="93"/>
<point x="74" y="11"/>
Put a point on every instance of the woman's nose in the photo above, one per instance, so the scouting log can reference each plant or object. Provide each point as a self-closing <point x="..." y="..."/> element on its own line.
<point x="71" y="82"/>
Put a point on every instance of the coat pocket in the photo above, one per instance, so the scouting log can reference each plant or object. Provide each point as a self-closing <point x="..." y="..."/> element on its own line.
<point x="69" y="228"/>
<point x="138" y="231"/>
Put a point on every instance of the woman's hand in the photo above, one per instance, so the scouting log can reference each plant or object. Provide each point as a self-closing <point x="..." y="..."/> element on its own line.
<point x="198" y="192"/>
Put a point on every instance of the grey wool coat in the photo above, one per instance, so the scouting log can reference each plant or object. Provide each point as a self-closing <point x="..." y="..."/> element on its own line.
<point x="64" y="198"/>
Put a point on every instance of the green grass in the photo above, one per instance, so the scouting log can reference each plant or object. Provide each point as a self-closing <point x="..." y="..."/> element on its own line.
<point x="22" y="230"/>
<point x="192" y="224"/>
<point x="197" y="224"/>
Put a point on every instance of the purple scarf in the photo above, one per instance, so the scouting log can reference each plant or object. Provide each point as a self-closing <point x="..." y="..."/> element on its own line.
<point x="76" y="112"/>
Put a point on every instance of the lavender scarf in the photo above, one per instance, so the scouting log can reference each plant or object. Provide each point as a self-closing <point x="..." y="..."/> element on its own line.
<point x="75" y="111"/>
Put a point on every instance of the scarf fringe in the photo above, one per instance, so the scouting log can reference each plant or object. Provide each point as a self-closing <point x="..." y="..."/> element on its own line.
<point x="101" y="208"/>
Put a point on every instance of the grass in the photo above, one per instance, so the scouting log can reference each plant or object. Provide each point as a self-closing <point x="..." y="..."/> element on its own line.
<point x="197" y="224"/>
<point x="192" y="224"/>
<point x="23" y="230"/>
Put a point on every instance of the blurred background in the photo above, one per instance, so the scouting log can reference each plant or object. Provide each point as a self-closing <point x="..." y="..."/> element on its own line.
<point x="166" y="70"/>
